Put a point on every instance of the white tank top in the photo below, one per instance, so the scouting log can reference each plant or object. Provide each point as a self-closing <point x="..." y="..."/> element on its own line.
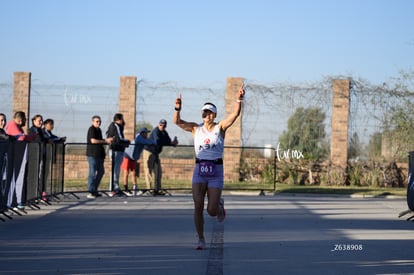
<point x="208" y="145"/>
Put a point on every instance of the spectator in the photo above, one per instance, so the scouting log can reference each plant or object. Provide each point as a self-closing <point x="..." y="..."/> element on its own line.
<point x="36" y="128"/>
<point x="95" y="153"/>
<point x="15" y="127"/>
<point x="49" y="137"/>
<point x="118" y="145"/>
<point x="15" y="130"/>
<point x="3" y="121"/>
<point x="131" y="155"/>
<point x="48" y="126"/>
<point x="151" y="159"/>
<point x="208" y="175"/>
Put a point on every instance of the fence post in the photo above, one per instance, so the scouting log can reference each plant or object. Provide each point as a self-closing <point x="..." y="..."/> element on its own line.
<point x="21" y="93"/>
<point x="340" y="118"/>
<point x="232" y="156"/>
<point x="410" y="186"/>
<point x="127" y="104"/>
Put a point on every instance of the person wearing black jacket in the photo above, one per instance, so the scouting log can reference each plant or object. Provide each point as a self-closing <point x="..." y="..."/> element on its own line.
<point x="48" y="126"/>
<point x="3" y="122"/>
<point x="118" y="145"/>
<point x="36" y="129"/>
<point x="37" y="123"/>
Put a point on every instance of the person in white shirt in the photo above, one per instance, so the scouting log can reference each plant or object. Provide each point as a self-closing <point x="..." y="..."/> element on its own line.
<point x="208" y="175"/>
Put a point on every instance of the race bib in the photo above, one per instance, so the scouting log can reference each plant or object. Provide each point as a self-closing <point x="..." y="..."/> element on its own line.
<point x="207" y="168"/>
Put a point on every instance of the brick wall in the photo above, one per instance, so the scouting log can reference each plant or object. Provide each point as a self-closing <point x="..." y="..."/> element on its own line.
<point x="76" y="167"/>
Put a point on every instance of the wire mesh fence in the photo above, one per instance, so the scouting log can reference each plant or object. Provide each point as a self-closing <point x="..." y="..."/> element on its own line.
<point x="380" y="119"/>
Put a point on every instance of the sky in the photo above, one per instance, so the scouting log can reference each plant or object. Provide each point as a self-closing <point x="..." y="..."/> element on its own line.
<point x="94" y="42"/>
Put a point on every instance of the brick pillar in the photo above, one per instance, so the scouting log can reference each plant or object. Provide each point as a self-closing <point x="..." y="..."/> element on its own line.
<point x="232" y="156"/>
<point x="21" y="94"/>
<point x="127" y="104"/>
<point x="340" y="119"/>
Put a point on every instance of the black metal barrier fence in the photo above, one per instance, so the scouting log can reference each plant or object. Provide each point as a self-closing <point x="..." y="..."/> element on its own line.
<point x="256" y="170"/>
<point x="410" y="187"/>
<point x="30" y="172"/>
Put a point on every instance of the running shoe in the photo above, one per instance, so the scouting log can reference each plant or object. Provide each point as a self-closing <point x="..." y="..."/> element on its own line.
<point x="116" y="193"/>
<point x="201" y="245"/>
<point x="222" y="215"/>
<point x="91" y="196"/>
<point x="44" y="196"/>
<point x="158" y="193"/>
<point x="128" y="193"/>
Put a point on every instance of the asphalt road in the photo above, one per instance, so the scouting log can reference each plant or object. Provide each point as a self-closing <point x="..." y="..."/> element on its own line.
<point x="272" y="234"/>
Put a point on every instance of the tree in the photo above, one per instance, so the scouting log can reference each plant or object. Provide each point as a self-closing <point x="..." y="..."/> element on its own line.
<point x="398" y="121"/>
<point x="374" y="146"/>
<point x="305" y="133"/>
<point x="355" y="147"/>
<point x="401" y="130"/>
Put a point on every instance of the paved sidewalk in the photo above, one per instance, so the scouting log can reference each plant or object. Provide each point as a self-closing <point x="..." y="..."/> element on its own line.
<point x="282" y="234"/>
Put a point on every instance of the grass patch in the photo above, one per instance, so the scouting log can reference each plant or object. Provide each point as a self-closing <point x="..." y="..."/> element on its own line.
<point x="81" y="185"/>
<point x="341" y="190"/>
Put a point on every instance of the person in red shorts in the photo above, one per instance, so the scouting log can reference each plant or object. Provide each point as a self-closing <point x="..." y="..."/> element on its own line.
<point x="131" y="155"/>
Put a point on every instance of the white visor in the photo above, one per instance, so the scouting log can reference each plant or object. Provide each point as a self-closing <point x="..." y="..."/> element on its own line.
<point x="209" y="107"/>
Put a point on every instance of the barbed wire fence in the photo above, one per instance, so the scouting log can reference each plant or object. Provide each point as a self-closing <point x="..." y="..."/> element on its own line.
<point x="267" y="107"/>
